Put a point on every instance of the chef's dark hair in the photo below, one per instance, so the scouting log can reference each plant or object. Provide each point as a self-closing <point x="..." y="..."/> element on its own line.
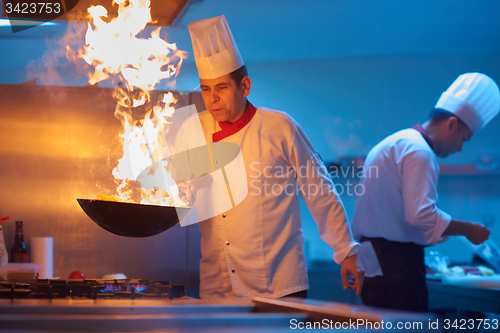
<point x="439" y="115"/>
<point x="238" y="75"/>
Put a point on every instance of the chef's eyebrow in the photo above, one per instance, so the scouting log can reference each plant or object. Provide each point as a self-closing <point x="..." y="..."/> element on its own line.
<point x="217" y="85"/>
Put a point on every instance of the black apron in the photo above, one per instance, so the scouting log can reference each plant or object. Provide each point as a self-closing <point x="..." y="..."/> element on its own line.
<point x="402" y="285"/>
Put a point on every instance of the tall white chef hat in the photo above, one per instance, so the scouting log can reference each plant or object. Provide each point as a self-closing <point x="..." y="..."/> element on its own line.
<point x="215" y="51"/>
<point x="472" y="97"/>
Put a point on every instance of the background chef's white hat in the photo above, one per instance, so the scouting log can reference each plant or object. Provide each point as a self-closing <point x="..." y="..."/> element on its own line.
<point x="215" y="51"/>
<point x="472" y="97"/>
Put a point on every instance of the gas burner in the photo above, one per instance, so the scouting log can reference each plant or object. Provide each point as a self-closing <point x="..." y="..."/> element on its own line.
<point x="14" y="289"/>
<point x="128" y="294"/>
<point x="91" y="289"/>
<point x="113" y="286"/>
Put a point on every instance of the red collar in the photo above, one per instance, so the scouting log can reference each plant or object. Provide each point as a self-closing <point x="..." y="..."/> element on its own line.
<point x="424" y="133"/>
<point x="228" y="129"/>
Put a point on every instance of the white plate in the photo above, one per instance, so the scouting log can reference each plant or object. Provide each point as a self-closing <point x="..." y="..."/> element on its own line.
<point x="478" y="281"/>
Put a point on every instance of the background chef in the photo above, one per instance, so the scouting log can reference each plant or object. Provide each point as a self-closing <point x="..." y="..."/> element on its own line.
<point x="398" y="214"/>
<point x="255" y="248"/>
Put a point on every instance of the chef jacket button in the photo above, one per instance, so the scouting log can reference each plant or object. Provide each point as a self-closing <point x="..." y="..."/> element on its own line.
<point x="233" y="270"/>
<point x="224" y="215"/>
<point x="227" y="243"/>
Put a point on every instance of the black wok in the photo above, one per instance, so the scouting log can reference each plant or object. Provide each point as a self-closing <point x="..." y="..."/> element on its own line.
<point x="136" y="220"/>
<point x="130" y="219"/>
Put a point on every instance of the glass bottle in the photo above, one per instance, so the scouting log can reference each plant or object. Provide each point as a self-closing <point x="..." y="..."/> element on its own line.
<point x="18" y="252"/>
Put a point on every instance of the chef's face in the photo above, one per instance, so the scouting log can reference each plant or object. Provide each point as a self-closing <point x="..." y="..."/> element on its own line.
<point x="454" y="136"/>
<point x="223" y="98"/>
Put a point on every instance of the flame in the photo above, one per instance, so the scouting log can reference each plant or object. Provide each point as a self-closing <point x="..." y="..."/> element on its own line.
<point x="114" y="48"/>
<point x="115" y="51"/>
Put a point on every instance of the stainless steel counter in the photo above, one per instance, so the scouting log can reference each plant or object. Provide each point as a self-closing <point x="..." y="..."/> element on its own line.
<point x="464" y="298"/>
<point x="186" y="314"/>
<point x="133" y="315"/>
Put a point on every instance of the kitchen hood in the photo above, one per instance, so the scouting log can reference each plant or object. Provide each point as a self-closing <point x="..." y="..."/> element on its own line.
<point x="163" y="12"/>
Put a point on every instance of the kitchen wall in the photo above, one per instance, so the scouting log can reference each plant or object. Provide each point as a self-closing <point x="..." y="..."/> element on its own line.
<point x="346" y="105"/>
<point x="59" y="144"/>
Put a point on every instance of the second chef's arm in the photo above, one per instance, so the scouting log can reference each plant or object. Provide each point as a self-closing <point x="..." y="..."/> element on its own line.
<point x="475" y="232"/>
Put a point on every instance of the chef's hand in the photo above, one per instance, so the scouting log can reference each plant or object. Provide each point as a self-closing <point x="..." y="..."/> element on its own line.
<point x="442" y="239"/>
<point x="187" y="193"/>
<point x="352" y="273"/>
<point x="477" y="233"/>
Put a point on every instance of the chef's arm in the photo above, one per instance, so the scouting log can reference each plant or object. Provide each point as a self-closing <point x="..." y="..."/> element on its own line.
<point x="475" y="232"/>
<point x="319" y="194"/>
<point x="419" y="189"/>
<point x="189" y="166"/>
<point x="188" y="190"/>
<point x="327" y="209"/>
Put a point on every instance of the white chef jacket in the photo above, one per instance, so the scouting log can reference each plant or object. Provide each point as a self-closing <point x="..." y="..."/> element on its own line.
<point x="256" y="248"/>
<point x="400" y="200"/>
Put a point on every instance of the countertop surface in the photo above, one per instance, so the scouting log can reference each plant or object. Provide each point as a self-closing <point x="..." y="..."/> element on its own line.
<point x="465" y="298"/>
<point x="188" y="314"/>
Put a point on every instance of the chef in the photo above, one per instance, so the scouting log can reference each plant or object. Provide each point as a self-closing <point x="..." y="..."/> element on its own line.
<point x="255" y="248"/>
<point x="398" y="213"/>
